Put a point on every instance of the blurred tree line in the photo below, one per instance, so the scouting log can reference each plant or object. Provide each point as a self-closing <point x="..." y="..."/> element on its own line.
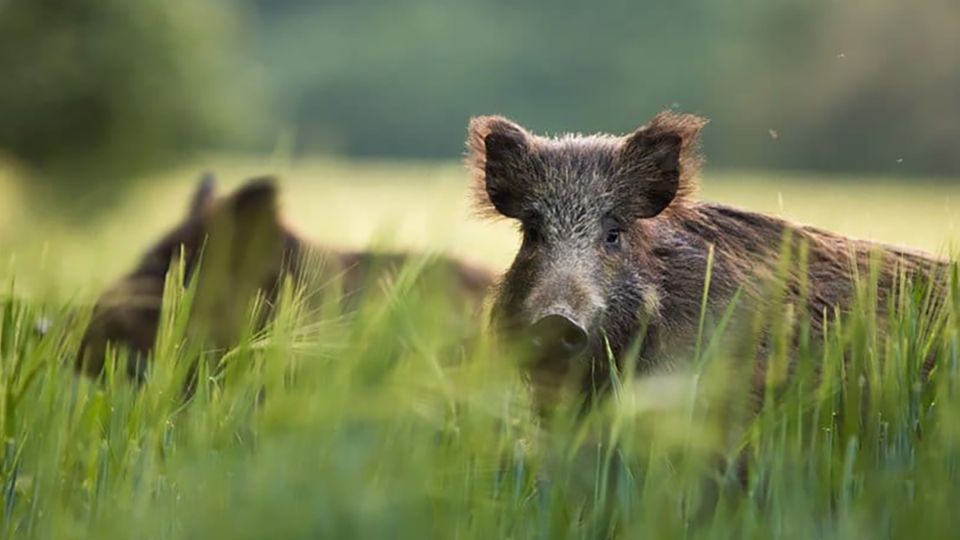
<point x="96" y="91"/>
<point x="117" y="86"/>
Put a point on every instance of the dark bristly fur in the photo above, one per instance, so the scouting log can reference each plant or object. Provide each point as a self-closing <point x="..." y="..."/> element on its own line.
<point x="246" y="251"/>
<point x="614" y="241"/>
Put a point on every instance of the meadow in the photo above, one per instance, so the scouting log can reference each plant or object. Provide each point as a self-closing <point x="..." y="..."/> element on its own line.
<point x="380" y="425"/>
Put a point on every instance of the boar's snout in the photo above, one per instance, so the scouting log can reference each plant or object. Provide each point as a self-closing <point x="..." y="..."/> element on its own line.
<point x="557" y="337"/>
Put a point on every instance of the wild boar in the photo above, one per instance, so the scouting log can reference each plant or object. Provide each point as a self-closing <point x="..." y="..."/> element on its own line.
<point x="246" y="250"/>
<point x="615" y="249"/>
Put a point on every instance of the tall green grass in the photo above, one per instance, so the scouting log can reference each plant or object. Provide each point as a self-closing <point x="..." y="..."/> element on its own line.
<point x="392" y="423"/>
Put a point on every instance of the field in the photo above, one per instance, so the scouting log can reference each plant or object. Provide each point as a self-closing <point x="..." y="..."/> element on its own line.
<point x="425" y="205"/>
<point x="375" y="427"/>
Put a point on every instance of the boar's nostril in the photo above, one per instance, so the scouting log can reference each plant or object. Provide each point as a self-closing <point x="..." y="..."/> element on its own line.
<point x="574" y="339"/>
<point x="556" y="335"/>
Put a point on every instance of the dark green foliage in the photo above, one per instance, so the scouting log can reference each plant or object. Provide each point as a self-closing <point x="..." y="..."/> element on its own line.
<point x="98" y="90"/>
<point x="95" y="91"/>
<point x="815" y="85"/>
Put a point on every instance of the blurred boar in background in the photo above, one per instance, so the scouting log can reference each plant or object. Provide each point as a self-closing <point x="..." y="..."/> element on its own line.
<point x="246" y="251"/>
<point x="616" y="250"/>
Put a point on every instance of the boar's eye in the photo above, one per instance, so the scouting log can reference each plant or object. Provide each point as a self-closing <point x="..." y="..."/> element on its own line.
<point x="613" y="237"/>
<point x="612" y="231"/>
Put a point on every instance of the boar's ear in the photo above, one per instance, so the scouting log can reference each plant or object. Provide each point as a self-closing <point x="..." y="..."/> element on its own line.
<point x="258" y="197"/>
<point x="203" y="196"/>
<point x="659" y="163"/>
<point x="246" y="223"/>
<point x="498" y="156"/>
<point x="243" y="254"/>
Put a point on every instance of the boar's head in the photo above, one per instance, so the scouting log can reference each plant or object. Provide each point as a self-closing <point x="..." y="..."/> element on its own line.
<point x="584" y="278"/>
